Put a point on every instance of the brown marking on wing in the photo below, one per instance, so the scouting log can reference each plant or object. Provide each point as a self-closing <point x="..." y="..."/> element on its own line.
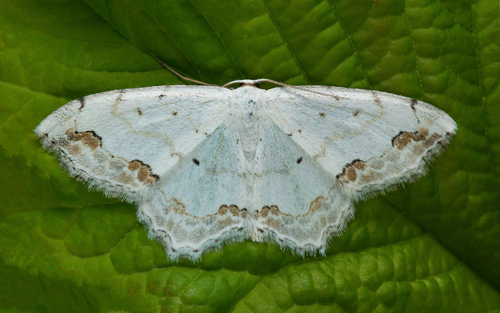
<point x="349" y="172"/>
<point x="87" y="138"/>
<point x="377" y="99"/>
<point x="144" y="173"/>
<point x="265" y="211"/>
<point x="233" y="209"/>
<point x="401" y="140"/>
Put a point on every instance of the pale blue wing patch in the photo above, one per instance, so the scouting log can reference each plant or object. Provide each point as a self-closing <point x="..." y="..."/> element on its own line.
<point x="124" y="140"/>
<point x="368" y="140"/>
<point x="202" y="202"/>
<point x="300" y="203"/>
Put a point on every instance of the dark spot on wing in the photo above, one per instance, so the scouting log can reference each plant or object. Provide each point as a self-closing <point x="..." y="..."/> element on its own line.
<point x="376" y="98"/>
<point x="82" y="102"/>
<point x="119" y="98"/>
<point x="322" y="114"/>
<point x="299" y="160"/>
<point x="195" y="161"/>
<point x="413" y="103"/>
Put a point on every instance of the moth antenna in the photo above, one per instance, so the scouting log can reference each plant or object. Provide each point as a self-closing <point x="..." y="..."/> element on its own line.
<point x="182" y="76"/>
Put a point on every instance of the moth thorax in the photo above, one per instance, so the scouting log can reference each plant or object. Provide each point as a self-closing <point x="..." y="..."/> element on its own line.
<point x="249" y="138"/>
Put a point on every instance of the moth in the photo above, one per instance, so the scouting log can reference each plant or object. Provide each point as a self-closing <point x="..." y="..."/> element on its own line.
<point x="207" y="165"/>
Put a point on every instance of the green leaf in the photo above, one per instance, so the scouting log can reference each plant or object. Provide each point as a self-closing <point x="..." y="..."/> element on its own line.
<point x="430" y="246"/>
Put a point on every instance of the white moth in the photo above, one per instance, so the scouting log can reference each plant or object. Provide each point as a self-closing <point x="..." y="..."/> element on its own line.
<point x="207" y="165"/>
